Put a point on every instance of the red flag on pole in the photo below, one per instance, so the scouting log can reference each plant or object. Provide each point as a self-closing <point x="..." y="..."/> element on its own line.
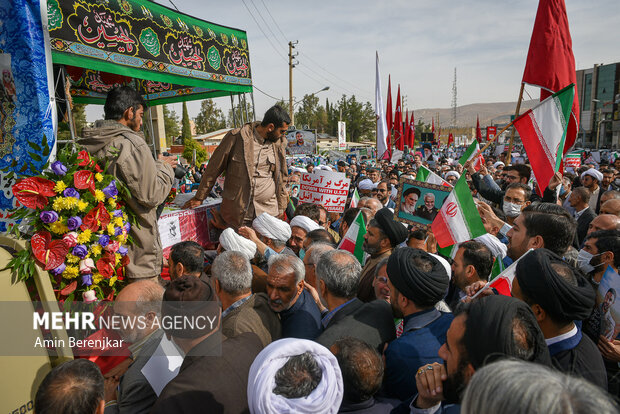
<point x="439" y="137"/>
<point x="398" y="124"/>
<point x="406" y="130"/>
<point x="388" y="115"/>
<point x="550" y="62"/>
<point x="478" y="132"/>
<point x="450" y="139"/>
<point x="411" y="132"/>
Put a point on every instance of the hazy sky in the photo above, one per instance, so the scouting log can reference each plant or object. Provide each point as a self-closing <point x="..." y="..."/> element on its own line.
<point x="419" y="44"/>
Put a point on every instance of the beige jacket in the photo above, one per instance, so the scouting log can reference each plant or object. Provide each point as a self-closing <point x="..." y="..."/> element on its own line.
<point x="235" y="156"/>
<point x="149" y="183"/>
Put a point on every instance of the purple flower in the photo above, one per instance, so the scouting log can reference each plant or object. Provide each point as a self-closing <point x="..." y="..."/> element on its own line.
<point x="59" y="269"/>
<point x="127" y="227"/>
<point x="74" y="222"/>
<point x="87" y="279"/>
<point x="59" y="168"/>
<point x="118" y="231"/>
<point x="110" y="191"/>
<point x="80" y="251"/>
<point x="48" y="217"/>
<point x="122" y="251"/>
<point x="104" y="240"/>
<point x="71" y="192"/>
<point x="118" y="213"/>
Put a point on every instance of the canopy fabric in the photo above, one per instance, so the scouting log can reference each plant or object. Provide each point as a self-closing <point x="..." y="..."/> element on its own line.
<point x="169" y="56"/>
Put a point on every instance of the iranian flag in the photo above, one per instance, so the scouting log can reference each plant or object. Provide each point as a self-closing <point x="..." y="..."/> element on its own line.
<point x="354" y="238"/>
<point x="473" y="151"/>
<point x="543" y="133"/>
<point x="573" y="160"/>
<point x="458" y="219"/>
<point x="503" y="282"/>
<point x="355" y="199"/>
<point x="427" y="176"/>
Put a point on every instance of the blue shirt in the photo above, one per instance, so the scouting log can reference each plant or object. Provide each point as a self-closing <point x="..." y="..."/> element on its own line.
<point x="423" y="334"/>
<point x="303" y="319"/>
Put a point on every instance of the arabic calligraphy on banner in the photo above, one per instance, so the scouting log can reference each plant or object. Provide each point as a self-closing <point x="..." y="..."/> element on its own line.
<point x="143" y="36"/>
<point x="327" y="188"/>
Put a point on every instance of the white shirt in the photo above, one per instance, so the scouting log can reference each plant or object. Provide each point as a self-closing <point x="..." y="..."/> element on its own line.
<point x="562" y="337"/>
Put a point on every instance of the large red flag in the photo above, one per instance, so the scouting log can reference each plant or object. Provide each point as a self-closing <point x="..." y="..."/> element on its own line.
<point x="398" y="124"/>
<point x="450" y="139"/>
<point x="411" y="132"/>
<point x="478" y="132"/>
<point x="388" y="115"/>
<point x="550" y="62"/>
<point x="406" y="130"/>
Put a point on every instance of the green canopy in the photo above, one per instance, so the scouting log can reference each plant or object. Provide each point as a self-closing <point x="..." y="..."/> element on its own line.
<point x="168" y="56"/>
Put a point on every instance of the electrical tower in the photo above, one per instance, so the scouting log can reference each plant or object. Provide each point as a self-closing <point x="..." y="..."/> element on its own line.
<point x="454" y="101"/>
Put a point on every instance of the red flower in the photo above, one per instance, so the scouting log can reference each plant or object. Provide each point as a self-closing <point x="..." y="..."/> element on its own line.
<point x="32" y="192"/>
<point x="96" y="217"/>
<point x="105" y="268"/>
<point x="98" y="168"/>
<point x="83" y="180"/>
<point x="49" y="254"/>
<point x="85" y="157"/>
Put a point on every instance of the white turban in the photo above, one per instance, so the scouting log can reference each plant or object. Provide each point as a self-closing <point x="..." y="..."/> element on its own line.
<point x="231" y="241"/>
<point x="444" y="263"/>
<point x="497" y="248"/>
<point x="366" y="184"/>
<point x="305" y="223"/>
<point x="454" y="174"/>
<point x="498" y="163"/>
<point x="272" y="228"/>
<point x="325" y="398"/>
<point x="594" y="174"/>
<point x="325" y="167"/>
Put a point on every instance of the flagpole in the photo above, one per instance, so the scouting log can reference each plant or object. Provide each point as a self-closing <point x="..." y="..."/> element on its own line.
<point x="495" y="137"/>
<point x="512" y="134"/>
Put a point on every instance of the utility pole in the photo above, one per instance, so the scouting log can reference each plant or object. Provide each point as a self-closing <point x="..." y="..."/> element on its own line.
<point x="291" y="65"/>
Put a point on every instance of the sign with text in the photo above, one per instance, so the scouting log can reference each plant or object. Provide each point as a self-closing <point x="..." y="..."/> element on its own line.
<point x="342" y="135"/>
<point x="491" y="132"/>
<point x="327" y="188"/>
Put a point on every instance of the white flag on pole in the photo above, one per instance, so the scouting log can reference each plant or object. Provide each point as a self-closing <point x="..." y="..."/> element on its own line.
<point x="380" y="114"/>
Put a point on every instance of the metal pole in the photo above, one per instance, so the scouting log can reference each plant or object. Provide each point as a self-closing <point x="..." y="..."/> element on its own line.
<point x="253" y="107"/>
<point x="152" y="131"/>
<point x="512" y="133"/>
<point x="68" y="101"/>
<point x="232" y="104"/>
<point x="598" y="127"/>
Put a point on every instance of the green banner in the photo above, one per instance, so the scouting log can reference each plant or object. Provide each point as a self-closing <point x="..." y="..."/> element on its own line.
<point x="143" y="40"/>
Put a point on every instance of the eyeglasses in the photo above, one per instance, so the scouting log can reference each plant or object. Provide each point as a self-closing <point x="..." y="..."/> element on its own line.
<point x="513" y="200"/>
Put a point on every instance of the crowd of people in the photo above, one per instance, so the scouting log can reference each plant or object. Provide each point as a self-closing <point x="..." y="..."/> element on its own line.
<point x="306" y="328"/>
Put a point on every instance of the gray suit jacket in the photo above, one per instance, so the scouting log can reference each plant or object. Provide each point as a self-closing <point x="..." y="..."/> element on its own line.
<point x="135" y="394"/>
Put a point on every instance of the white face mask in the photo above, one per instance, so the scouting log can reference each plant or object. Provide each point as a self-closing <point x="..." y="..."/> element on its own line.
<point x="583" y="261"/>
<point x="511" y="209"/>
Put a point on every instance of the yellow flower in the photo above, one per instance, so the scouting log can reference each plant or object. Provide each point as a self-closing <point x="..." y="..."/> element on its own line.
<point x="99" y="196"/>
<point x="71" y="272"/>
<point x="59" y="227"/>
<point x="118" y="258"/>
<point x="97" y="277"/>
<point x="60" y="187"/>
<point x="72" y="259"/>
<point x="112" y="280"/>
<point x="84" y="237"/>
<point x="124" y="216"/>
<point x="95" y="249"/>
<point x="98" y="177"/>
<point x="118" y="222"/>
<point x="70" y="202"/>
<point x="59" y="204"/>
<point x="110" y="229"/>
<point x="121" y="239"/>
<point x="112" y="202"/>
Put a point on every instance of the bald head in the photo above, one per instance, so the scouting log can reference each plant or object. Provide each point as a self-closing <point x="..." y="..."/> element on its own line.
<point x="374" y="205"/>
<point x="611" y="207"/>
<point x="610" y="195"/>
<point x="604" y="222"/>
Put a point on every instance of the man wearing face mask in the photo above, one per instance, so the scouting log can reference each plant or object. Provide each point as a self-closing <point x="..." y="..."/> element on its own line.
<point x="516" y="197"/>
<point x="600" y="249"/>
<point x="254" y="160"/>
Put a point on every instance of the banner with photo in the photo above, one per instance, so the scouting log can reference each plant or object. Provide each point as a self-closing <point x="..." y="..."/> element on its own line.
<point x="301" y="142"/>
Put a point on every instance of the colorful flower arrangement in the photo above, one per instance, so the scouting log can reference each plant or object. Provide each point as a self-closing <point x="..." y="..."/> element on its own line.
<point x="81" y="228"/>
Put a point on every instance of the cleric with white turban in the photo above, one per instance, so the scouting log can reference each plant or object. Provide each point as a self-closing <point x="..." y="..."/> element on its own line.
<point x="305" y="223"/>
<point x="324" y="399"/>
<point x="231" y="241"/>
<point x="272" y="228"/>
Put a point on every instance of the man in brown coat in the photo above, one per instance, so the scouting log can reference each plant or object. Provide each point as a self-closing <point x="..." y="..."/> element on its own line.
<point x="242" y="311"/>
<point x="254" y="160"/>
<point x="118" y="141"/>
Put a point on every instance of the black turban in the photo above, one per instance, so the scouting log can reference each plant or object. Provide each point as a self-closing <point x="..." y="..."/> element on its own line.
<point x="192" y="298"/>
<point x="541" y="284"/>
<point x="412" y="190"/>
<point x="423" y="288"/>
<point x="489" y="332"/>
<point x="396" y="232"/>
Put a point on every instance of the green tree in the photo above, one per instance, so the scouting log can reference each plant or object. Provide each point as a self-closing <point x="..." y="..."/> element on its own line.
<point x="360" y="118"/>
<point x="79" y="118"/>
<point x="189" y="142"/>
<point x="171" y="125"/>
<point x="210" y="118"/>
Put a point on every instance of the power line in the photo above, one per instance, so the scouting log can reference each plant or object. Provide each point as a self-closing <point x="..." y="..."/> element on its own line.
<point x="265" y="21"/>
<point x="263" y="32"/>
<point x="266" y="94"/>
<point x="275" y="21"/>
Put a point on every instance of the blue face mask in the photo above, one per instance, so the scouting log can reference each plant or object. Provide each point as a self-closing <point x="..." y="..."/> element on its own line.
<point x="562" y="190"/>
<point x="302" y="253"/>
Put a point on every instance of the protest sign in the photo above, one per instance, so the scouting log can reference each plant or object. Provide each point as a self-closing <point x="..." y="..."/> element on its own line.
<point x="606" y="314"/>
<point x="327" y="188"/>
